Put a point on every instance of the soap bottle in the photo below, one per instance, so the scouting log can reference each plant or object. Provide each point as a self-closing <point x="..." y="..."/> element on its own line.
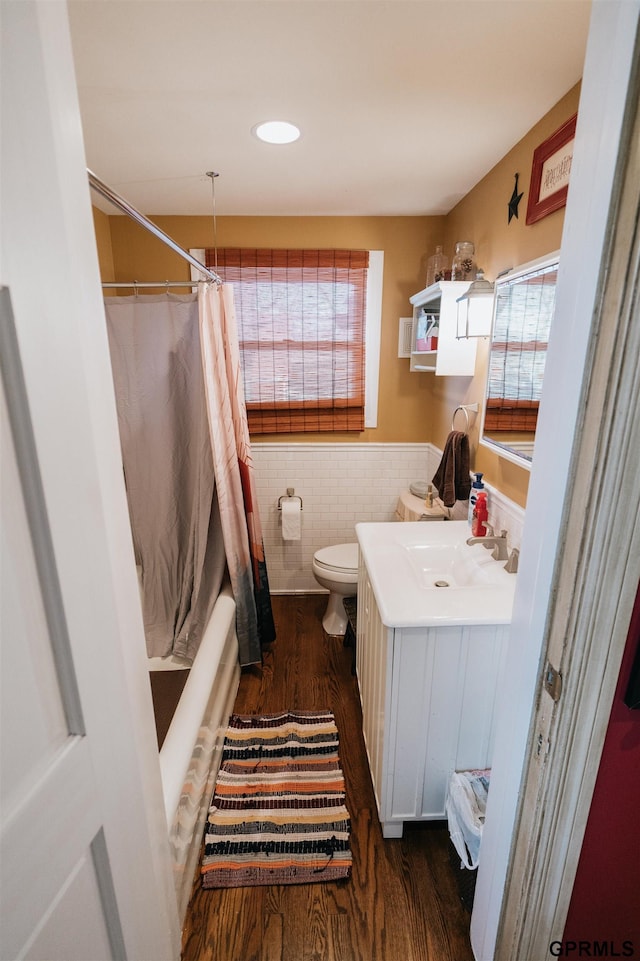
<point x="429" y="498"/>
<point x="480" y="516"/>
<point x="476" y="487"/>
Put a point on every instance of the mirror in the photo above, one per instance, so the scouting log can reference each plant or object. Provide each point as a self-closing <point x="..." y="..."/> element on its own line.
<point x="524" y="304"/>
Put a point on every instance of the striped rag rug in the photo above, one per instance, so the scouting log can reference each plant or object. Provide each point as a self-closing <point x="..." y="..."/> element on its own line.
<point x="278" y="813"/>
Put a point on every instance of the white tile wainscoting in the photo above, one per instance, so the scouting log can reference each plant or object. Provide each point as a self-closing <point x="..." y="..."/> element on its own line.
<point x="340" y="485"/>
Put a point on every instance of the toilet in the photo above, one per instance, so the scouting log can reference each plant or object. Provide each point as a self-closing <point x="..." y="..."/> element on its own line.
<point x="336" y="568"/>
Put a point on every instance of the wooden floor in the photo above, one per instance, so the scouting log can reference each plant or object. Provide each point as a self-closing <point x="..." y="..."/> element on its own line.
<point x="401" y="902"/>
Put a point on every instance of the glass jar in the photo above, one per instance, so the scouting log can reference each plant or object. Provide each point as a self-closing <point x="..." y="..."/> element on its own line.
<point x="436" y="266"/>
<point x="464" y="262"/>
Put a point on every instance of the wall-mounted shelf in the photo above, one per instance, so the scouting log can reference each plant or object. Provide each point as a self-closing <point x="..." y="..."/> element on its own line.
<point x="452" y="357"/>
<point x="423" y="360"/>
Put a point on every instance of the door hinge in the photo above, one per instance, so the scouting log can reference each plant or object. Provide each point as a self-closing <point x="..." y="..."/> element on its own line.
<point x="552" y="681"/>
<point x="540" y="744"/>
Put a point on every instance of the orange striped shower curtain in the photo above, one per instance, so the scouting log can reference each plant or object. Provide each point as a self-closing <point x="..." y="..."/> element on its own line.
<point x="233" y="468"/>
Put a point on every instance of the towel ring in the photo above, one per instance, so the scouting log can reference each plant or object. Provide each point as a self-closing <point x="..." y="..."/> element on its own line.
<point x="465" y="408"/>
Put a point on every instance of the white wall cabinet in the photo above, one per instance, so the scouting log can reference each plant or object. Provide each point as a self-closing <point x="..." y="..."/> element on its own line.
<point x="452" y="357"/>
<point x="429" y="697"/>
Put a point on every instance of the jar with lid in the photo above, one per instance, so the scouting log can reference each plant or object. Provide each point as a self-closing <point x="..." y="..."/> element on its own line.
<point x="464" y="262"/>
<point x="436" y="266"/>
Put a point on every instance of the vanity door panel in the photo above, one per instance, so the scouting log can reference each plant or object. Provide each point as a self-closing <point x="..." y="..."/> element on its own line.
<point x="374" y="649"/>
<point x="482" y="683"/>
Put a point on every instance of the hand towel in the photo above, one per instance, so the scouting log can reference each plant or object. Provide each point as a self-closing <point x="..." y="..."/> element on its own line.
<point x="452" y="476"/>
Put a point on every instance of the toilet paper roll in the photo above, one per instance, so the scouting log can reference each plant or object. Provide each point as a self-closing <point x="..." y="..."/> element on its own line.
<point x="291" y="519"/>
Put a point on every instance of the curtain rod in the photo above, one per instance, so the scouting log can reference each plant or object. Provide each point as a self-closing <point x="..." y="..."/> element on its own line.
<point x="127" y="208"/>
<point x="152" y="283"/>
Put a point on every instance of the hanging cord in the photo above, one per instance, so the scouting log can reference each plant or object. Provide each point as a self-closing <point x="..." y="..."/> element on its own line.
<point x="213" y="174"/>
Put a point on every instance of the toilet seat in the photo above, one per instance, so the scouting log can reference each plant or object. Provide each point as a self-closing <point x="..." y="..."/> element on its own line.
<point x="341" y="558"/>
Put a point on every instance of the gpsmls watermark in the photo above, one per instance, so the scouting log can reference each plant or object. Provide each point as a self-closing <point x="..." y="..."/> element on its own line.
<point x="592" y="949"/>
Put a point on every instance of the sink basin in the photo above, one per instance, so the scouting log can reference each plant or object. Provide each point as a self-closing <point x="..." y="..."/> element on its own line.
<point x="426" y="574"/>
<point x="438" y="566"/>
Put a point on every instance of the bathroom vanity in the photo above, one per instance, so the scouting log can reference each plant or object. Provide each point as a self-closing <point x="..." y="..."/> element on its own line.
<point x="432" y="630"/>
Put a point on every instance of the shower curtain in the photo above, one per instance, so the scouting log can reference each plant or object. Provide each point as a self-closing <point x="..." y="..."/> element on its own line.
<point x="174" y="478"/>
<point x="234" y="469"/>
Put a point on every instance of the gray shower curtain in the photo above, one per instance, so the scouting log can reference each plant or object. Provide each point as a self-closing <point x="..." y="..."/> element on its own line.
<point x="188" y="468"/>
<point x="164" y="433"/>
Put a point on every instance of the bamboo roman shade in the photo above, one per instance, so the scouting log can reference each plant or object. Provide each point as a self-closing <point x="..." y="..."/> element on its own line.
<point x="301" y="325"/>
<point x="524" y="310"/>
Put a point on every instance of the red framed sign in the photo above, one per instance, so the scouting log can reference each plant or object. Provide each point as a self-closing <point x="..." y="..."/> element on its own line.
<point x="551" y="171"/>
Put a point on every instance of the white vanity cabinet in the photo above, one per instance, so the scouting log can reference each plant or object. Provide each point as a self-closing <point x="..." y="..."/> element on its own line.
<point x="429" y="697"/>
<point x="451" y="357"/>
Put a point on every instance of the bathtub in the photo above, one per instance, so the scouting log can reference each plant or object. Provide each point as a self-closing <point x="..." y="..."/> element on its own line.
<point x="191" y="751"/>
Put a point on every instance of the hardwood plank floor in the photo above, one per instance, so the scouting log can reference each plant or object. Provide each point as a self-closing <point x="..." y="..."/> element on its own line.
<point x="401" y="902"/>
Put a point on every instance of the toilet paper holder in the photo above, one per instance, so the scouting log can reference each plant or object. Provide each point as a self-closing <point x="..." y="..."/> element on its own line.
<point x="290" y="493"/>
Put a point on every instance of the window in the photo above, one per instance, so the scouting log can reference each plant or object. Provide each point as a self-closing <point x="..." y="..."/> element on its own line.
<point x="301" y="326"/>
<point x="523" y="315"/>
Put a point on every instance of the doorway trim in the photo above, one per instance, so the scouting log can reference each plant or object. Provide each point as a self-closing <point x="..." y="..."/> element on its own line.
<point x="580" y="555"/>
<point x="598" y="570"/>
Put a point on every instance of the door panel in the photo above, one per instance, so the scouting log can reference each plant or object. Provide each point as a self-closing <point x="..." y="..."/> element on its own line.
<point x="29" y="687"/>
<point x="75" y="929"/>
<point x="49" y="795"/>
<point x="85" y="865"/>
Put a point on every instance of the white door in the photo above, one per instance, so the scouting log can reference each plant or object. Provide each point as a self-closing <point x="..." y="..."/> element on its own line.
<point x="84" y="860"/>
<point x="579" y="560"/>
<point x="57" y="891"/>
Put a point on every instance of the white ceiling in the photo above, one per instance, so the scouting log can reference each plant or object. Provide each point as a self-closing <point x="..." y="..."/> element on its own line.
<point x="404" y="105"/>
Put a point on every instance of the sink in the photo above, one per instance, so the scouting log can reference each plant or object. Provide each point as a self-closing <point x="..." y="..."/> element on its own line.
<point x="426" y="574"/>
<point x="438" y="566"/>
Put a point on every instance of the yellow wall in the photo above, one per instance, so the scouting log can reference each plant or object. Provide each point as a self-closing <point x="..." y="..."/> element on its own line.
<point x="482" y="217"/>
<point x="101" y="225"/>
<point x="403" y="410"/>
<point x="412" y="407"/>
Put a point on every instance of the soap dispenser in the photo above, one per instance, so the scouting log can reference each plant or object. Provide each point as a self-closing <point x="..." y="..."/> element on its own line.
<point x="476" y="487"/>
<point x="480" y="516"/>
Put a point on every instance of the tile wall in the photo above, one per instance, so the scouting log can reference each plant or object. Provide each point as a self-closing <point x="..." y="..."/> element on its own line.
<point x="341" y="484"/>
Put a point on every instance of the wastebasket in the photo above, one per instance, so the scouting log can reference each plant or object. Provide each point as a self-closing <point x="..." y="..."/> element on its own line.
<point x="466" y="805"/>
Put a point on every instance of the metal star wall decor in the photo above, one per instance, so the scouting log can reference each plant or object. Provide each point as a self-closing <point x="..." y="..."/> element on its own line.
<point x="515" y="200"/>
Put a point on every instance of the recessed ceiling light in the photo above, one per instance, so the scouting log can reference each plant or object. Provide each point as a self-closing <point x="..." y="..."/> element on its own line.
<point x="276" y="131"/>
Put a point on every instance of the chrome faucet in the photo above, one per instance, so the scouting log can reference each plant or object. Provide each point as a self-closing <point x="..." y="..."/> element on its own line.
<point x="498" y="543"/>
